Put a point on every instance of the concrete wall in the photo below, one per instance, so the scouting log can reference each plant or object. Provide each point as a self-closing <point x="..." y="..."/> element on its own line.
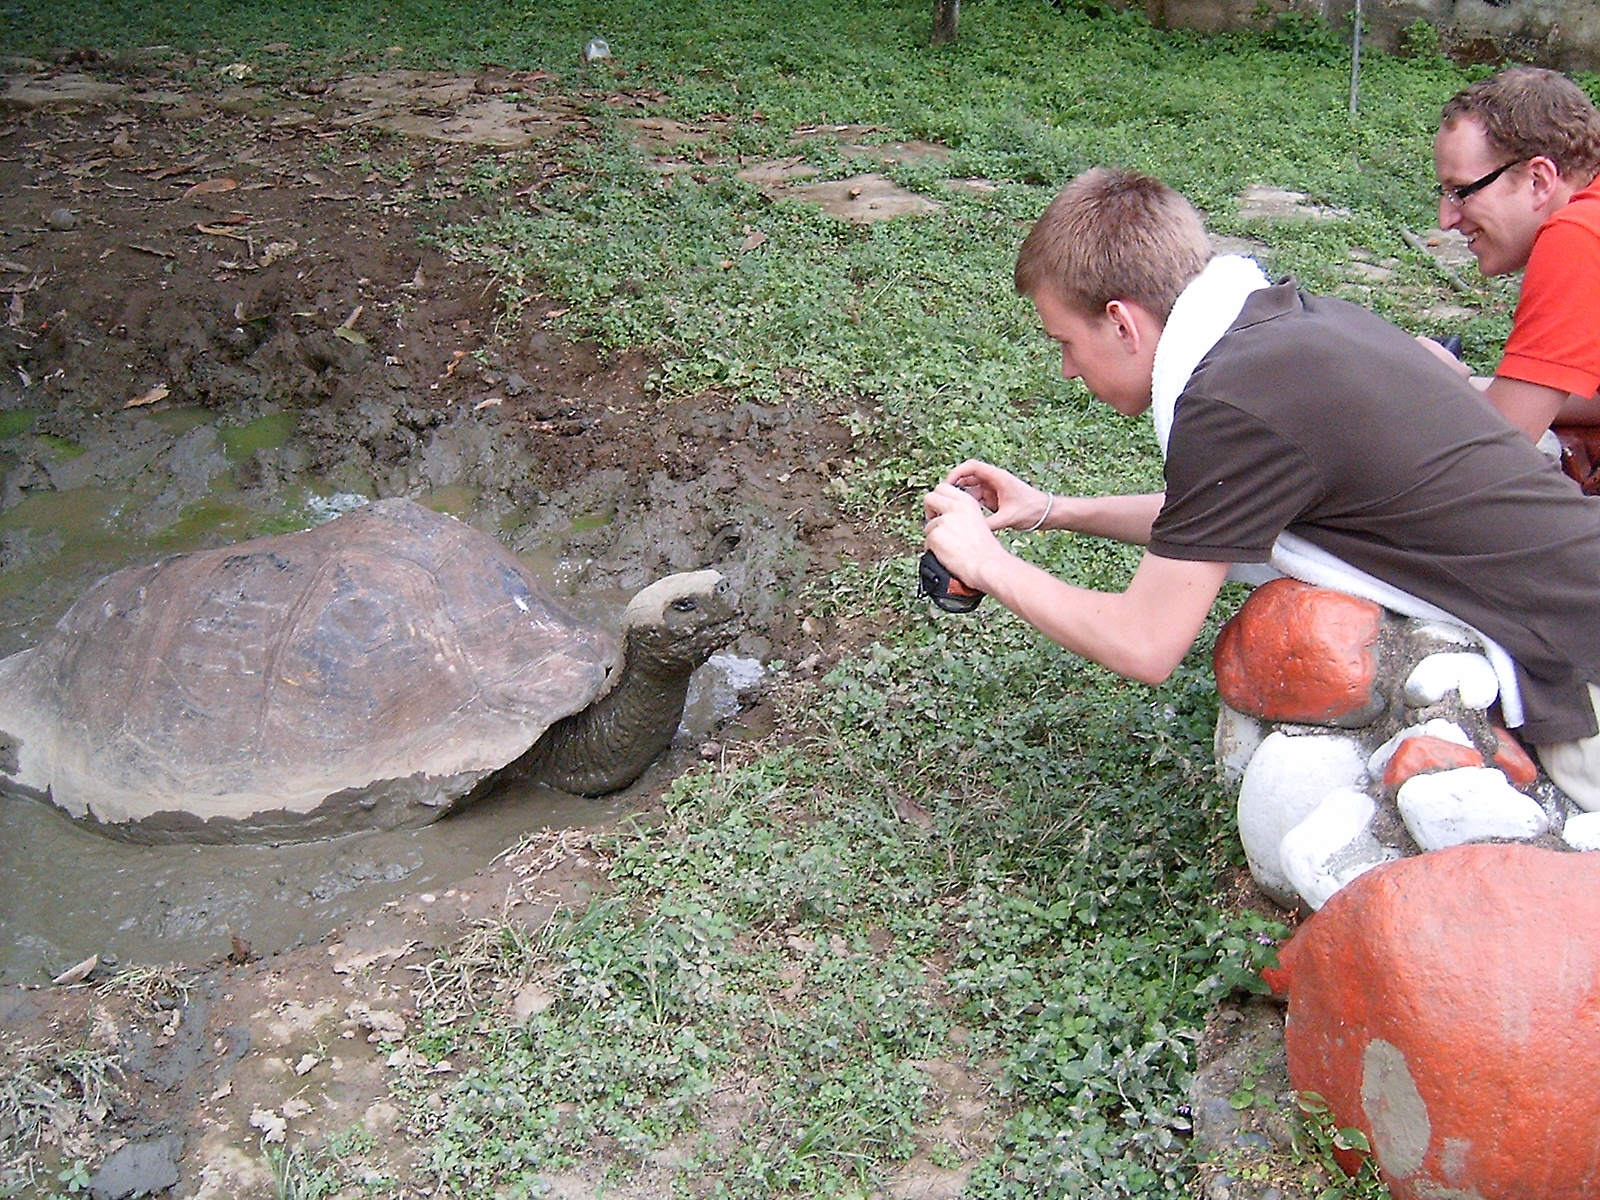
<point x="1564" y="34"/>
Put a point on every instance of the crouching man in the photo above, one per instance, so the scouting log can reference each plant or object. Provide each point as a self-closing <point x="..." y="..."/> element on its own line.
<point x="1287" y="421"/>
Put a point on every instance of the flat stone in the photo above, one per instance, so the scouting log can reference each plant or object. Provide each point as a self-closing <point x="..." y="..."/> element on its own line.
<point x="1249" y="247"/>
<point x="863" y="199"/>
<point x="1449" y="247"/>
<point x="1471" y="804"/>
<point x="1261" y="202"/>
<point x="70" y="90"/>
<point x="892" y="153"/>
<point x="1444" y="1006"/>
<point x="138" y="1169"/>
<point x="1369" y="272"/>
<point x="1420" y="755"/>
<point x="1301" y="654"/>
<point x="777" y="172"/>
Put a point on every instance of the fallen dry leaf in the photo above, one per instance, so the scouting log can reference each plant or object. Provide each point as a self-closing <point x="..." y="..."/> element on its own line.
<point x="212" y="187"/>
<point x="224" y="231"/>
<point x="78" y="973"/>
<point x="755" y="238"/>
<point x="491" y="402"/>
<point x="345" y="333"/>
<point x="557" y="312"/>
<point x="160" y="392"/>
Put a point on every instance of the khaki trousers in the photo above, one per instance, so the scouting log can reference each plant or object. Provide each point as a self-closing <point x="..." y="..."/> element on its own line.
<point x="1575" y="766"/>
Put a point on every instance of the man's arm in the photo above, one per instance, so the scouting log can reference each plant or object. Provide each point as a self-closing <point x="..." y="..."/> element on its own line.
<point x="1142" y="633"/>
<point x="1529" y="406"/>
<point x="1013" y="504"/>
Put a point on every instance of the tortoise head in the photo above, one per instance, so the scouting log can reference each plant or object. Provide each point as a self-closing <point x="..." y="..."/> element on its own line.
<point x="682" y="619"/>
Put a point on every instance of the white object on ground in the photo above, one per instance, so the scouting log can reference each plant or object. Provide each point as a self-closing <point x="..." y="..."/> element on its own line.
<point x="1469" y="804"/>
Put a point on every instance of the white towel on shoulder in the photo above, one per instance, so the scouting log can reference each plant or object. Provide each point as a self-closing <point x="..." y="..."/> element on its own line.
<point x="1204" y="312"/>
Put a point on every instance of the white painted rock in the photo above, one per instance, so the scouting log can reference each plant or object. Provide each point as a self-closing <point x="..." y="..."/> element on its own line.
<point x="1238" y="737"/>
<point x="1469" y="804"/>
<point x="1468" y="675"/>
<point x="1332" y="846"/>
<point x="1286" y="779"/>
<point x="1582" y="831"/>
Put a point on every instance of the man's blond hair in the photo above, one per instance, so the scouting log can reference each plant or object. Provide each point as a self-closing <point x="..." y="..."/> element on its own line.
<point x="1529" y="112"/>
<point x="1114" y="235"/>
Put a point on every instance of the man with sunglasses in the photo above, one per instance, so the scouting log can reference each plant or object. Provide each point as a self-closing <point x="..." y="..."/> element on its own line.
<point x="1517" y="158"/>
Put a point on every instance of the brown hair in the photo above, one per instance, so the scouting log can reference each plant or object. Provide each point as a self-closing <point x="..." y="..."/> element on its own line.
<point x="1528" y="112"/>
<point x="1114" y="235"/>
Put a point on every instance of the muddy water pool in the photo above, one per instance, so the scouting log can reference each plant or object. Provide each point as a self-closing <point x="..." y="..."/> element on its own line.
<point x="67" y="892"/>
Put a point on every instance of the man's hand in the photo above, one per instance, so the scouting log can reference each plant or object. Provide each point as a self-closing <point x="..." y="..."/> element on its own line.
<point x="959" y="535"/>
<point x="1444" y="356"/>
<point x="1012" y="504"/>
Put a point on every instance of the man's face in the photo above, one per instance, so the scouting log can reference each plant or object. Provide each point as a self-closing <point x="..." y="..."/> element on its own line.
<point x="1111" y="358"/>
<point x="1501" y="219"/>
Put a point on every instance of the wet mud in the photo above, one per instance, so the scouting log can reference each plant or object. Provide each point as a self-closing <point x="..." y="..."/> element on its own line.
<point x="224" y="317"/>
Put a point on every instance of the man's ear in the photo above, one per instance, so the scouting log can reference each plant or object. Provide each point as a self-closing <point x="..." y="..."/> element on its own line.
<point x="1134" y="326"/>
<point x="1546" y="179"/>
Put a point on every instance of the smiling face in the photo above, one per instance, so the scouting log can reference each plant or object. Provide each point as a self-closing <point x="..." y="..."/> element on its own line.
<point x="1112" y="352"/>
<point x="1501" y="219"/>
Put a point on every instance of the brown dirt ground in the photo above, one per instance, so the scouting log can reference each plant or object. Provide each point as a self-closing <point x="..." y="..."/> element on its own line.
<point x="256" y="254"/>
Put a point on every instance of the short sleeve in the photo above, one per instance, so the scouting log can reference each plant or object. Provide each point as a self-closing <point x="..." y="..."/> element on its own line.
<point x="1233" y="485"/>
<point x="1555" y="335"/>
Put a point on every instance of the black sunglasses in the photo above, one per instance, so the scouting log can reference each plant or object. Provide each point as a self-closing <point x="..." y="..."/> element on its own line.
<point x="1458" y="195"/>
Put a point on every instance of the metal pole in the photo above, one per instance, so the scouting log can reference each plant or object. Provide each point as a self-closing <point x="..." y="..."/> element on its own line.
<point x="1355" y="61"/>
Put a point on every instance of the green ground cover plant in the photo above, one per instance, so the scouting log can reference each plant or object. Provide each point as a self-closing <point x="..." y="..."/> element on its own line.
<point x="970" y="856"/>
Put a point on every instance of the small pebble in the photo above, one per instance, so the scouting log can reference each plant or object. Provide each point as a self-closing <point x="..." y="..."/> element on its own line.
<point x="62" y="219"/>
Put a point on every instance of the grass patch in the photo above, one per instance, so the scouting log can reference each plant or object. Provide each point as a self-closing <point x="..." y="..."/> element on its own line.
<point x="977" y="859"/>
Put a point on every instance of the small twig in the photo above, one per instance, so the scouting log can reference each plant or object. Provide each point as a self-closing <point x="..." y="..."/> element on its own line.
<point x="1454" y="280"/>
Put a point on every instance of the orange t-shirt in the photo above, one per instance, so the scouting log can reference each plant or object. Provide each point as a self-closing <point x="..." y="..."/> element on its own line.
<point x="1555" y="335"/>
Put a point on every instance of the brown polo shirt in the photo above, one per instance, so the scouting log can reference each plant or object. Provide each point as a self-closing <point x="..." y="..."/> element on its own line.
<point x="1316" y="416"/>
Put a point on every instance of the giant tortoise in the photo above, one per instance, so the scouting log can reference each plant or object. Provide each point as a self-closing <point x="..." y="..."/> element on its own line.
<point x="373" y="672"/>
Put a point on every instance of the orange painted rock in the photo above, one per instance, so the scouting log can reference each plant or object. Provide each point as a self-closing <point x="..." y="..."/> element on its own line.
<point x="1423" y="753"/>
<point x="1511" y="758"/>
<point x="1449" y="1007"/>
<point x="1301" y="654"/>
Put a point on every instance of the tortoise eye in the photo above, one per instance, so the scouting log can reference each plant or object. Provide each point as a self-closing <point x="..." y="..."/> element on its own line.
<point x="684" y="605"/>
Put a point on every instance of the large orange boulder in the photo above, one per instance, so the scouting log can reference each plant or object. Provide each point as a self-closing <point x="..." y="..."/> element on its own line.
<point x="1301" y="654"/>
<point x="1449" y="1007"/>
